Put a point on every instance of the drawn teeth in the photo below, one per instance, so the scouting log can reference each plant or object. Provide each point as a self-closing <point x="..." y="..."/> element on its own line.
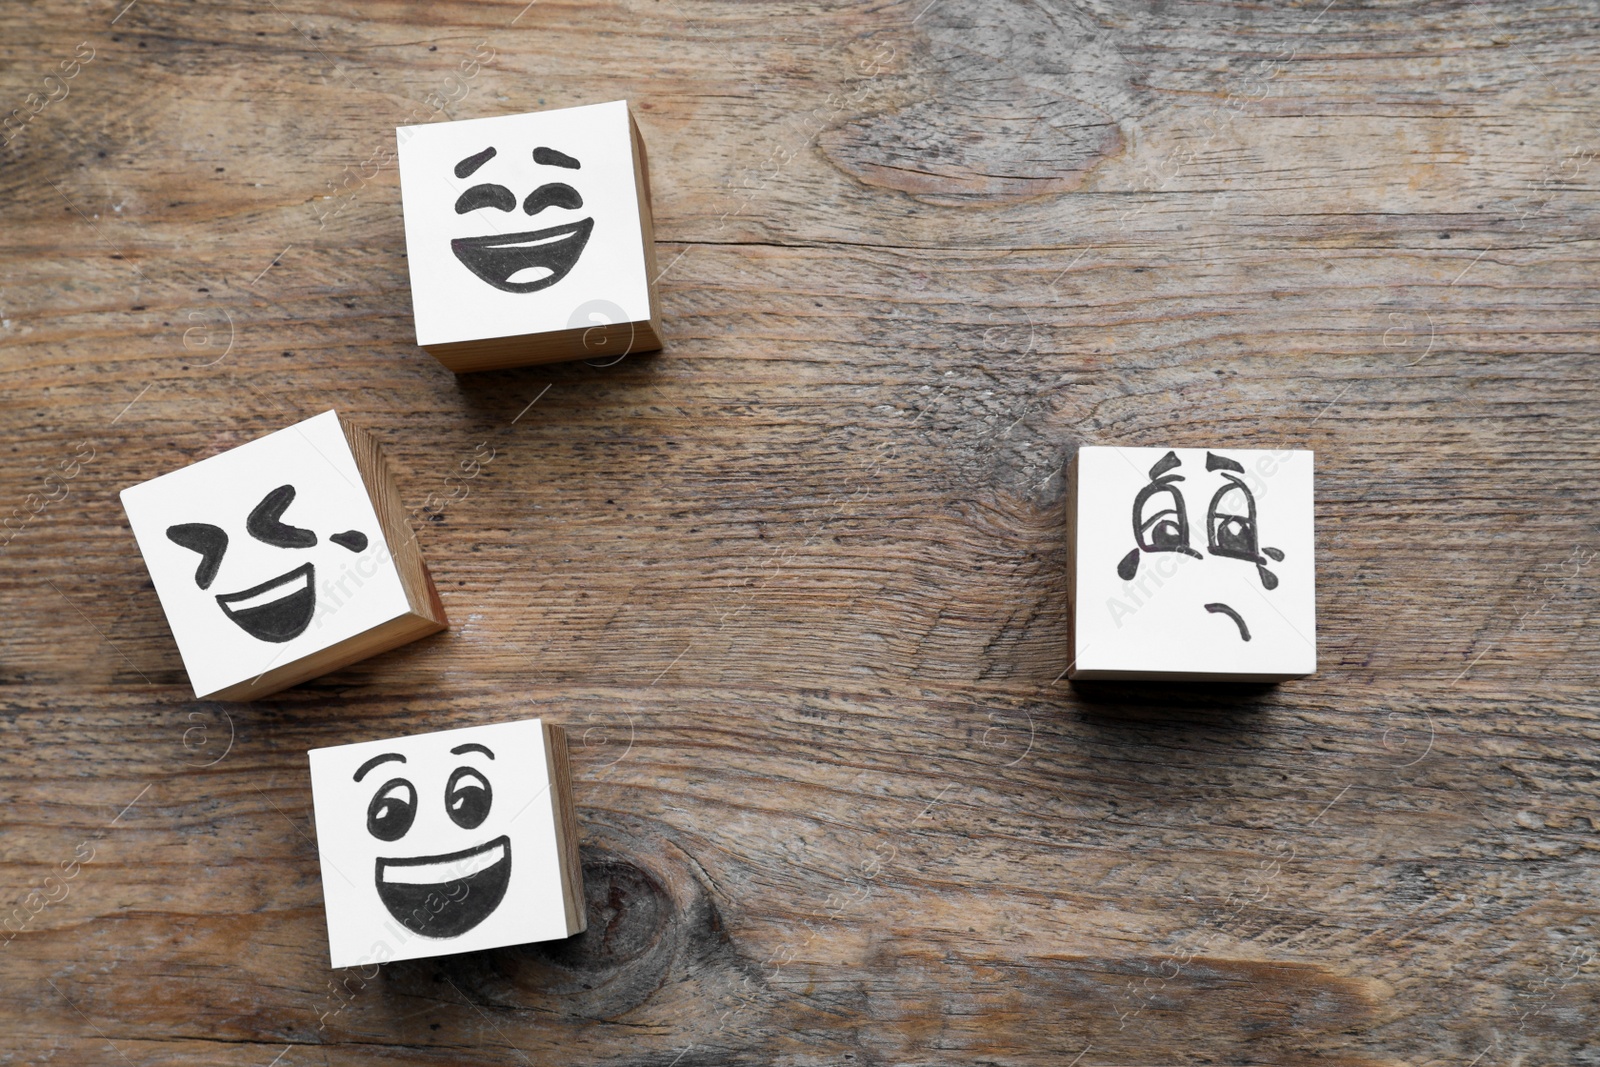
<point x="446" y="870"/>
<point x="289" y="587"/>
<point x="532" y="244"/>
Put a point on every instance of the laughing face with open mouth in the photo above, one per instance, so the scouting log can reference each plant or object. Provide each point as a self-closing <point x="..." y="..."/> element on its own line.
<point x="280" y="608"/>
<point x="446" y="894"/>
<point x="531" y="260"/>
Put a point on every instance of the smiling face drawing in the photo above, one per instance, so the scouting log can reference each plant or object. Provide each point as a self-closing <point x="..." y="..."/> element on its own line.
<point x="280" y="608"/>
<point x="443" y="842"/>
<point x="531" y="260"/>
<point x="446" y="894"/>
<point x="1161" y="524"/>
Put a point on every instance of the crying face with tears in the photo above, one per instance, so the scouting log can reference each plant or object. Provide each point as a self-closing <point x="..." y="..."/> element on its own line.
<point x="1161" y="524"/>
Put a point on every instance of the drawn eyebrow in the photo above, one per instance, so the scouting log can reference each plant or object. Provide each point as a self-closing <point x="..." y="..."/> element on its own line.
<point x="549" y="157"/>
<point x="555" y="194"/>
<point x="1164" y="464"/>
<point x="472" y="746"/>
<point x="465" y="168"/>
<point x="375" y="760"/>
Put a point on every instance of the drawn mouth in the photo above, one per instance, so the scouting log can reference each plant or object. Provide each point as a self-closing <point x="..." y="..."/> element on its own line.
<point x="1223" y="609"/>
<point x="524" y="262"/>
<point x="445" y="896"/>
<point x="277" y="610"/>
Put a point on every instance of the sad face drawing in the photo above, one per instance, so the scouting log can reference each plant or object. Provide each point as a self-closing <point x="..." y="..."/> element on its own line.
<point x="444" y="894"/>
<point x="1161" y="524"/>
<point x="530" y="260"/>
<point x="280" y="608"/>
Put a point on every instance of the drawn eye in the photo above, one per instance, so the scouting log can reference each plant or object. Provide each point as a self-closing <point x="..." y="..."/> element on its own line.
<point x="210" y="541"/>
<point x="264" y="522"/>
<point x="1163" y="521"/>
<point x="555" y="194"/>
<point x="1160" y="517"/>
<point x="392" y="811"/>
<point x="1231" y="529"/>
<point x="354" y="540"/>
<point x="467" y="797"/>
<point x="495" y="196"/>
<point x="1231" y="524"/>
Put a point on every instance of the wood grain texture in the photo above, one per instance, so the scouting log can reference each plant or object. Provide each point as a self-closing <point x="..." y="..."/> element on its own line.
<point x="795" y="585"/>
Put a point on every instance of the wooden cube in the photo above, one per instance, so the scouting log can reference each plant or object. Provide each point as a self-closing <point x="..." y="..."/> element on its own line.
<point x="447" y="842"/>
<point x="1192" y="564"/>
<point x="283" y="559"/>
<point x="529" y="237"/>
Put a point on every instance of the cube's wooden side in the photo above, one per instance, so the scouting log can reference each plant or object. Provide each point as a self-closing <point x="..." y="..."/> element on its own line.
<point x="421" y="594"/>
<point x="1183" y="676"/>
<point x="1072" y="566"/>
<point x="559" y="763"/>
<point x="391" y="635"/>
<point x="647" y="227"/>
<point x="560" y="346"/>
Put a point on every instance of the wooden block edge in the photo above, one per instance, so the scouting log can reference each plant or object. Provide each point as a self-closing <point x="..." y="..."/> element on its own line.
<point x="386" y="637"/>
<point x="529" y="350"/>
<point x="558" y="760"/>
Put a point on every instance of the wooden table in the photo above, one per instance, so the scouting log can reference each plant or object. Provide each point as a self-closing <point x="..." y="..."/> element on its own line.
<point x="796" y="584"/>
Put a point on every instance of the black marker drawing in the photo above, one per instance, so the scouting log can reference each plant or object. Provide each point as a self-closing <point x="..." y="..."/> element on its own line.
<point x="532" y="260"/>
<point x="495" y="196"/>
<point x="1161" y="524"/>
<point x="392" y="810"/>
<point x="1232" y="532"/>
<point x="465" y="168"/>
<point x="206" y="539"/>
<point x="354" y="540"/>
<point x="1165" y="529"/>
<point x="279" y="618"/>
<point x="555" y="194"/>
<point x="430" y="899"/>
<point x="445" y="895"/>
<point x="498" y="259"/>
<point x="265" y="523"/>
<point x="549" y="157"/>
<point x="278" y="609"/>
<point x="1244" y="631"/>
<point x="467" y="797"/>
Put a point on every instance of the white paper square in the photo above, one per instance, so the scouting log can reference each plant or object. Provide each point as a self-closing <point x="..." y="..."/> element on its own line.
<point x="456" y="873"/>
<point x="1192" y="599"/>
<point x="324" y="591"/>
<point x="451" y="301"/>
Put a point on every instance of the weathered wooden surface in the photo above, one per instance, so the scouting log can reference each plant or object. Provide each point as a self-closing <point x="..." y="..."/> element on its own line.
<point x="795" y="584"/>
